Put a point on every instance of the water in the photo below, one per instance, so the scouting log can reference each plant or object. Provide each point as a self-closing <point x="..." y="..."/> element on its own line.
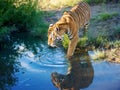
<point x="27" y="63"/>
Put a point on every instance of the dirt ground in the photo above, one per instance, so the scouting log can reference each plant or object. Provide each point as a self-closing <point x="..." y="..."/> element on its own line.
<point x="106" y="27"/>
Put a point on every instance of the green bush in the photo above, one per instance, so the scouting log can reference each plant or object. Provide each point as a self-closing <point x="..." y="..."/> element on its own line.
<point x="81" y="43"/>
<point x="21" y="14"/>
<point x="98" y="41"/>
<point x="65" y="41"/>
<point x="106" y="16"/>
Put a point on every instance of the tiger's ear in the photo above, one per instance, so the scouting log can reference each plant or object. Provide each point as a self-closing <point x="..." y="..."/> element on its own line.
<point x="50" y="25"/>
<point x="65" y="12"/>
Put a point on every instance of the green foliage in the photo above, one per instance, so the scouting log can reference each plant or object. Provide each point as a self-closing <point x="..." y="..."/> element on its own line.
<point x="40" y="31"/>
<point x="98" y="41"/>
<point x="82" y="41"/>
<point x="4" y="30"/>
<point x="106" y="16"/>
<point x="65" y="41"/>
<point x="115" y="43"/>
<point x="21" y="14"/>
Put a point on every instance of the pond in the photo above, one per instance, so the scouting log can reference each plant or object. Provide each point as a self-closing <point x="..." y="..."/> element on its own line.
<point x="27" y="63"/>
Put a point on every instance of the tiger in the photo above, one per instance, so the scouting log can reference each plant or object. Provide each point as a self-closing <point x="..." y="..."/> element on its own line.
<point x="70" y="23"/>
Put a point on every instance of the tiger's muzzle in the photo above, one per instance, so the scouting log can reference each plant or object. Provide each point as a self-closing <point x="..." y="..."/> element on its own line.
<point x="52" y="41"/>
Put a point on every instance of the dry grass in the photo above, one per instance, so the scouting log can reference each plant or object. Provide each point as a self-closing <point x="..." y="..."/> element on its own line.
<point x="113" y="55"/>
<point x="56" y="4"/>
<point x="96" y="55"/>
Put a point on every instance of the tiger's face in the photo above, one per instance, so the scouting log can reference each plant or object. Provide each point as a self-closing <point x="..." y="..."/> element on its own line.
<point x="54" y="34"/>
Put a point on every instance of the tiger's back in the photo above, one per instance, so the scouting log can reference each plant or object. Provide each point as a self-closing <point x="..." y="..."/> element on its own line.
<point x="81" y="14"/>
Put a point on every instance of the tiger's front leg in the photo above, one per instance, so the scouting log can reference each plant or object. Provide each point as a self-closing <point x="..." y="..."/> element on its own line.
<point x="72" y="46"/>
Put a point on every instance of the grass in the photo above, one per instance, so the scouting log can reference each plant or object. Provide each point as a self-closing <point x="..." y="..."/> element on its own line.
<point x="106" y="31"/>
<point x="97" y="54"/>
<point x="105" y="16"/>
<point x="55" y="4"/>
<point x="65" y="41"/>
<point x="85" y="40"/>
<point x="114" y="44"/>
<point x="81" y="43"/>
<point x="117" y="30"/>
<point x="100" y="41"/>
<point x="59" y="3"/>
<point x="113" y="55"/>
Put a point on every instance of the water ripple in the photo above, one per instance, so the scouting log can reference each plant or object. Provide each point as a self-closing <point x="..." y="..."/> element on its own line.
<point x="46" y="57"/>
<point x="54" y="57"/>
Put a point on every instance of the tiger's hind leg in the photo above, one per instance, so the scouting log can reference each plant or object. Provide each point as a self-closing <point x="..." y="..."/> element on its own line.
<point x="85" y="29"/>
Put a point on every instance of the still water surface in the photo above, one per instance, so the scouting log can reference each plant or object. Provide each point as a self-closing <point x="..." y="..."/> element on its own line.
<point x="27" y="63"/>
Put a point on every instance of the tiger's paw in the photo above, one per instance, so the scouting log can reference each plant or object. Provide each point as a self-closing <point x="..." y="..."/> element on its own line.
<point x="69" y="57"/>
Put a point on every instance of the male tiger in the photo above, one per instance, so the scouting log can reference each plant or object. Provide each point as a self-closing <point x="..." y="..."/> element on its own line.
<point x="70" y="23"/>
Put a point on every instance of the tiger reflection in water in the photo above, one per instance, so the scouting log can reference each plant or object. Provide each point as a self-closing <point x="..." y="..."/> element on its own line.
<point x="80" y="74"/>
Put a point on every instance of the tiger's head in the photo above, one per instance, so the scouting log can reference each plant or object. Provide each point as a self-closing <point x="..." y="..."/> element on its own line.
<point x="55" y="33"/>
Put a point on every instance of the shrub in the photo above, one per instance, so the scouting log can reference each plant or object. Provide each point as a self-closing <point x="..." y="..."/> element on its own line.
<point x="98" y="41"/>
<point x="81" y="43"/>
<point x="106" y="16"/>
<point x="65" y="41"/>
<point x="21" y="14"/>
